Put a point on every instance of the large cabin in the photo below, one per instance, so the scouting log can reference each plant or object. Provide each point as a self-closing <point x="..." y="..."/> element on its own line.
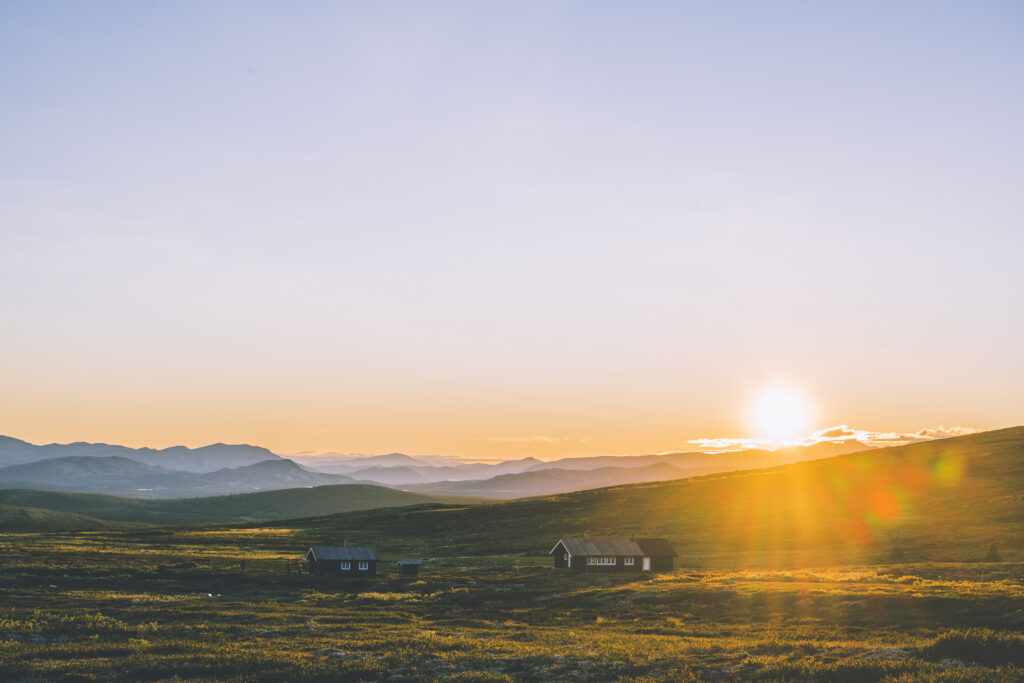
<point x="338" y="560"/>
<point x="587" y="554"/>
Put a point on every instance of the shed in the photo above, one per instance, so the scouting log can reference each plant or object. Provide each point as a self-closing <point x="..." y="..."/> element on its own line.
<point x="342" y="560"/>
<point x="408" y="567"/>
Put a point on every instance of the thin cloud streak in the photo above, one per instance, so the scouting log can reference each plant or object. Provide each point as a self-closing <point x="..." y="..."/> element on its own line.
<point x="524" y="439"/>
<point x="837" y="433"/>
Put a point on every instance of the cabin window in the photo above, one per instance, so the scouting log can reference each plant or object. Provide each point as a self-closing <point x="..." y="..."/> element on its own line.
<point x="630" y="561"/>
<point x="364" y="565"/>
<point x="601" y="560"/>
<point x="345" y="566"/>
<point x="565" y="557"/>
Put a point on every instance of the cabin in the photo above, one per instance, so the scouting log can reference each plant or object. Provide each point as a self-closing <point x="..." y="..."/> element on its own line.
<point x="589" y="554"/>
<point x="408" y="567"/>
<point x="342" y="560"/>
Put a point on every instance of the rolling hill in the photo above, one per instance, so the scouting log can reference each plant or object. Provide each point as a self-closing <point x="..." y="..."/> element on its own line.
<point x="20" y="519"/>
<point x="74" y="511"/>
<point x="942" y="500"/>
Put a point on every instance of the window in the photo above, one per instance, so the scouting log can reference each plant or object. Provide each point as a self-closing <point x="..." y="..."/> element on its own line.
<point x="600" y="560"/>
<point x="364" y="565"/>
<point x="345" y="566"/>
<point x="629" y="561"/>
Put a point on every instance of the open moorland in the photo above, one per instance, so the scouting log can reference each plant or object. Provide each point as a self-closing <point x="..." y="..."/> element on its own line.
<point x="898" y="565"/>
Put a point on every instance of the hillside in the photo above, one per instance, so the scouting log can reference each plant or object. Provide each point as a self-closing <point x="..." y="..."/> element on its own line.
<point x="940" y="500"/>
<point x="94" y="510"/>
<point x="19" y="519"/>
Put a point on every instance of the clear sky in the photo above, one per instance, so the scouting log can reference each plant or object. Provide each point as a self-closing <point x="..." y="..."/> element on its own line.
<point x="506" y="229"/>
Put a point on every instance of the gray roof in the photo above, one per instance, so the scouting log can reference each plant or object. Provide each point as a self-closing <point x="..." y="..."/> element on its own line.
<point x="342" y="552"/>
<point x="578" y="546"/>
<point x="416" y="562"/>
<point x="656" y="547"/>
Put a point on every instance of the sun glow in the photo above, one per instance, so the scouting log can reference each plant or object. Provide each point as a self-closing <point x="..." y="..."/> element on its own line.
<point x="780" y="413"/>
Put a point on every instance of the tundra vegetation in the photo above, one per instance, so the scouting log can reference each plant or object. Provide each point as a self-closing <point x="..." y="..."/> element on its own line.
<point x="902" y="565"/>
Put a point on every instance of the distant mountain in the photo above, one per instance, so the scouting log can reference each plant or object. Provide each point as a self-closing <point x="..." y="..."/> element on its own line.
<point x="204" y="459"/>
<point x="551" y="481"/>
<point x="221" y="469"/>
<point x="122" y="476"/>
<point x="33" y="510"/>
<point x="391" y="476"/>
<point x="396" y="469"/>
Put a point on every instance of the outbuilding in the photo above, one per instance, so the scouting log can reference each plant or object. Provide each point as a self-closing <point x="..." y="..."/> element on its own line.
<point x="586" y="553"/>
<point x="408" y="567"/>
<point x="342" y="560"/>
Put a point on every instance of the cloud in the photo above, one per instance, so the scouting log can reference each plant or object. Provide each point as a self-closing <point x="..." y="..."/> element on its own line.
<point x="944" y="432"/>
<point x="837" y="432"/>
<point x="834" y="434"/>
<point x="728" y="444"/>
<point x="882" y="439"/>
<point x="523" y="439"/>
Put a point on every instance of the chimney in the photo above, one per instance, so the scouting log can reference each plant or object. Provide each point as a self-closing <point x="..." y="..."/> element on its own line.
<point x="586" y="535"/>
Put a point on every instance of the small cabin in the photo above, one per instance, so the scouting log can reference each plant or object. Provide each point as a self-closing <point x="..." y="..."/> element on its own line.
<point x="589" y="554"/>
<point x="408" y="567"/>
<point x="342" y="560"/>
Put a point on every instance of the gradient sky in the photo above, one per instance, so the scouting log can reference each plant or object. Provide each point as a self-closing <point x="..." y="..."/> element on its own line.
<point x="504" y="229"/>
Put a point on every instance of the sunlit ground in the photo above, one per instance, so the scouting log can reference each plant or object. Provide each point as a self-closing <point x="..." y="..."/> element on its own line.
<point x="151" y="606"/>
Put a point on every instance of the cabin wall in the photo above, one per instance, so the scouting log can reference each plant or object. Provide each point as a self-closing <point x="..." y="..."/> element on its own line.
<point x="580" y="564"/>
<point x="661" y="564"/>
<point x="333" y="568"/>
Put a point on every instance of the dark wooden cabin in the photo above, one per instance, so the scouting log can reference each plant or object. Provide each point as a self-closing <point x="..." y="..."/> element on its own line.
<point x="587" y="554"/>
<point x="408" y="567"/>
<point x="338" y="560"/>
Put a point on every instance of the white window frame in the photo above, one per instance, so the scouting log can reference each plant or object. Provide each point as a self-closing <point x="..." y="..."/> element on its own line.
<point x="363" y="565"/>
<point x="346" y="565"/>
<point x="629" y="561"/>
<point x="596" y="560"/>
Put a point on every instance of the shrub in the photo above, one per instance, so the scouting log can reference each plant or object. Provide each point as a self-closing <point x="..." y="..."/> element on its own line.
<point x="978" y="645"/>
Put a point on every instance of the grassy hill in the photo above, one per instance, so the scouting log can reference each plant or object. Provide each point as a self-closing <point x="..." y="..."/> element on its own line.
<point x="944" y="500"/>
<point x="261" y="506"/>
<point x="21" y="519"/>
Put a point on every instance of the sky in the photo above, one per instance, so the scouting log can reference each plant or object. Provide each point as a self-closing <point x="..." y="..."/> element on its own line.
<point x="507" y="229"/>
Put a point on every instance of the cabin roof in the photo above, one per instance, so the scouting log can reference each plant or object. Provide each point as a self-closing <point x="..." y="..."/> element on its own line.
<point x="409" y="562"/>
<point x="656" y="547"/>
<point x="578" y="545"/>
<point x="343" y="552"/>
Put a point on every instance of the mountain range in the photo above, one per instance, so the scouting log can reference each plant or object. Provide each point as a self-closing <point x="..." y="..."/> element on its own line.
<point x="222" y="469"/>
<point x="205" y="459"/>
<point x="122" y="476"/>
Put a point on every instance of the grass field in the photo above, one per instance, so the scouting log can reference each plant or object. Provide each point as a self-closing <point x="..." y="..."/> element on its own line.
<point x="155" y="606"/>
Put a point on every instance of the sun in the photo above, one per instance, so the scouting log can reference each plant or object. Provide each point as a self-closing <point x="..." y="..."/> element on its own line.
<point x="780" y="413"/>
